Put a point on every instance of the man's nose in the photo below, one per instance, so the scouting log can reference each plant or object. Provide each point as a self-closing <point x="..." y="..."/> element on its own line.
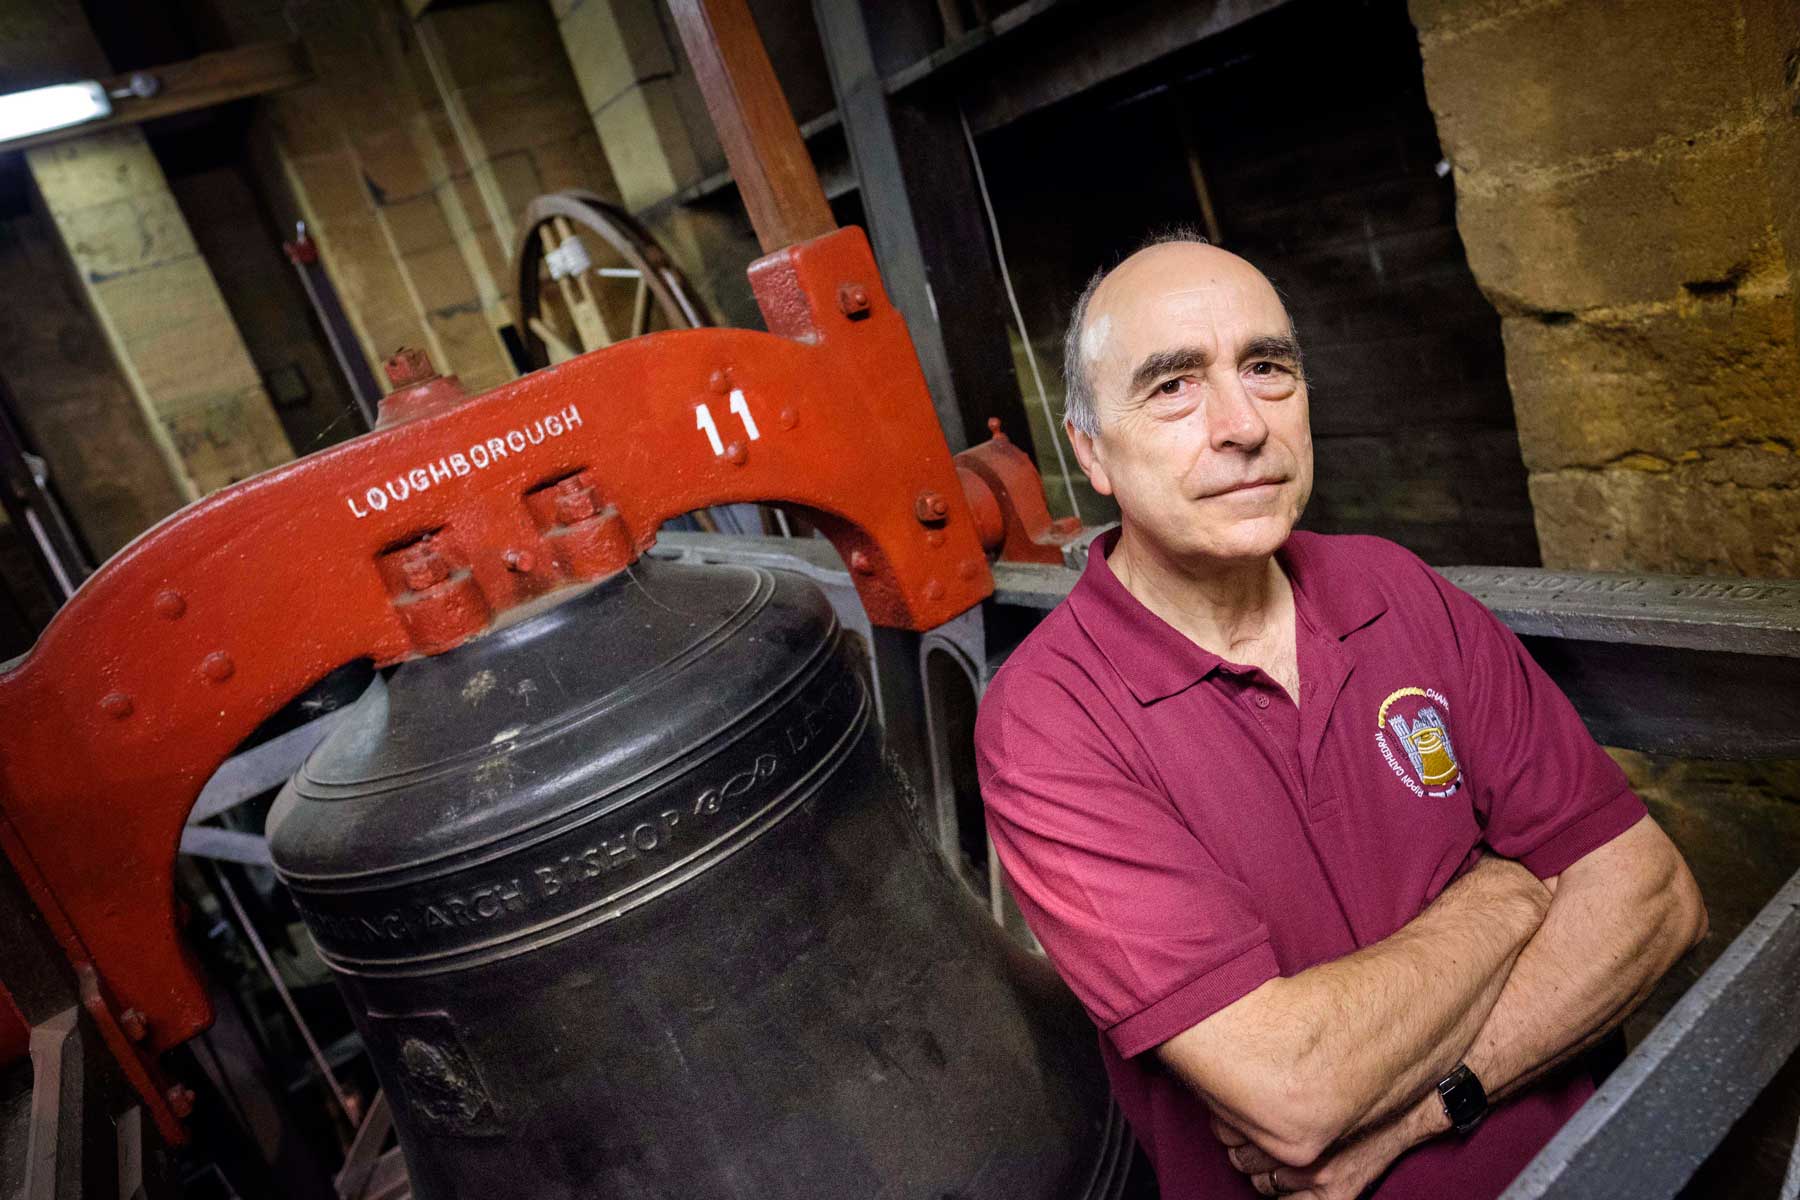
<point x="1233" y="419"/>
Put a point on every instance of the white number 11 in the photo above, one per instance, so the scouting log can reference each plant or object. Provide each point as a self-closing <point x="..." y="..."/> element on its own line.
<point x="703" y="421"/>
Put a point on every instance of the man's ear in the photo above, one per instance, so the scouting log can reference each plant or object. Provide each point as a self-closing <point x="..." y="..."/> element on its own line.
<point x="1088" y="455"/>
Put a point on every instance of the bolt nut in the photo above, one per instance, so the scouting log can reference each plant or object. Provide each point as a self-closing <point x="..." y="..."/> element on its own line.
<point x="409" y="368"/>
<point x="853" y="300"/>
<point x="181" y="1100"/>
<point x="135" y="1024"/>
<point x="423" y="567"/>
<point x="521" y="561"/>
<point x="931" y="507"/>
<point x="574" y="501"/>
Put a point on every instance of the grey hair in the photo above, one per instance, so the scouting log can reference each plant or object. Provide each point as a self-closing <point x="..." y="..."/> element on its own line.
<point x="1080" y="408"/>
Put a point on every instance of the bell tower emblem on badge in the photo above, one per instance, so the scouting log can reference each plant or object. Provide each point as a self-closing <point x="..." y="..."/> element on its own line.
<point x="1412" y="731"/>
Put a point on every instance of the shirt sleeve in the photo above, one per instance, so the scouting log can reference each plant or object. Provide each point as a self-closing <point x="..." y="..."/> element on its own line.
<point x="1544" y="791"/>
<point x="1136" y="916"/>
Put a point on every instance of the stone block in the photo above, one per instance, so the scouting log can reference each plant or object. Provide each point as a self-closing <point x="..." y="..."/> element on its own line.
<point x="417" y="225"/>
<point x="392" y="167"/>
<point x="575" y="163"/>
<point x="101" y="167"/>
<point x="1634" y="231"/>
<point x="646" y="143"/>
<point x="1546" y="83"/>
<point x="1707" y="374"/>
<point x="1622" y="519"/>
<point x="471" y="349"/>
<point x="127" y="234"/>
<point x="614" y="45"/>
<point x="520" y="112"/>
<point x="480" y="43"/>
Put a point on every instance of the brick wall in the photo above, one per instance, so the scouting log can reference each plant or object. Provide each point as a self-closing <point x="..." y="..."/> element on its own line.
<point x="1628" y="186"/>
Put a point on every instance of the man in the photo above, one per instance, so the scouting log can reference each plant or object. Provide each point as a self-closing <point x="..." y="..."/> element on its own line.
<point x="1335" y="868"/>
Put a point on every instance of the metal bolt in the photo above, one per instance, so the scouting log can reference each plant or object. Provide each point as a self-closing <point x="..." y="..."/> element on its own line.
<point x="853" y="299"/>
<point x="521" y="561"/>
<point x="116" y="705"/>
<point x="574" y="501"/>
<point x="135" y="1024"/>
<point x="170" y="605"/>
<point x="409" y="367"/>
<point x="218" y="666"/>
<point x="181" y="1100"/>
<point x="423" y="567"/>
<point x="931" y="506"/>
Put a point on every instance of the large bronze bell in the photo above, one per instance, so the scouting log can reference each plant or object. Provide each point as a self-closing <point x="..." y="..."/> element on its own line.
<point x="626" y="905"/>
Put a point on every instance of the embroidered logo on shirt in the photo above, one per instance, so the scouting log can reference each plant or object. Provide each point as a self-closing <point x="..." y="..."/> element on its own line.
<point x="1416" y="720"/>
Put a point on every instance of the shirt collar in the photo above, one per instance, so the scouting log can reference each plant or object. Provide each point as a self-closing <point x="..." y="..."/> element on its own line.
<point x="1156" y="660"/>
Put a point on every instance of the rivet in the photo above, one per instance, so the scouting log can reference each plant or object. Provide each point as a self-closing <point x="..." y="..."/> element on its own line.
<point x="720" y="380"/>
<point x="218" y="666"/>
<point x="116" y="705"/>
<point x="170" y="605"/>
<point x="861" y="563"/>
<point x="134" y="1024"/>
<point x="181" y="1100"/>
<point x="934" y="590"/>
<point x="968" y="568"/>
<point x="934" y="537"/>
<point x="853" y="299"/>
<point x="787" y="418"/>
<point x="521" y="561"/>
<point x="736" y="453"/>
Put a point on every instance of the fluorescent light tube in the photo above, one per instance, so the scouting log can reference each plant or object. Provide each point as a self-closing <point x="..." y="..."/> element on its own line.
<point x="40" y="110"/>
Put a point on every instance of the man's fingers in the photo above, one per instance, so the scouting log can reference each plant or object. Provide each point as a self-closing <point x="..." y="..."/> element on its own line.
<point x="1227" y="1133"/>
<point x="1251" y="1160"/>
<point x="1264" y="1182"/>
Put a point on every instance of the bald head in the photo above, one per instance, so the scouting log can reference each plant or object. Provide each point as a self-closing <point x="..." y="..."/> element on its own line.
<point x="1170" y="281"/>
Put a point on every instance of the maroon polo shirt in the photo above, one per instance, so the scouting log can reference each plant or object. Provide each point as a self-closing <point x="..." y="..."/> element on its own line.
<point x="1177" y="830"/>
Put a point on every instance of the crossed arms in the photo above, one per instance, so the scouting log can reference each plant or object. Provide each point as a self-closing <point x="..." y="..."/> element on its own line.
<point x="1332" y="1070"/>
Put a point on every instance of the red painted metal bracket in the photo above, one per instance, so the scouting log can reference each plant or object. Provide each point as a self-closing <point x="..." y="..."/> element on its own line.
<point x="414" y="538"/>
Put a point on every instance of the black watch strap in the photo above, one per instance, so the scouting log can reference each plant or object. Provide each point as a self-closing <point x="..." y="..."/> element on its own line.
<point x="1465" y="1100"/>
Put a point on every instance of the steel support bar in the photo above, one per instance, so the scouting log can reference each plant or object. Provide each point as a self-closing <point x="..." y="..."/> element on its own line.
<point x="1721" y="657"/>
<point x="1657" y="1118"/>
<point x="919" y="198"/>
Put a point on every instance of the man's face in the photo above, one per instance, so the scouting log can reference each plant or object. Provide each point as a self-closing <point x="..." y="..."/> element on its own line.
<point x="1203" y="440"/>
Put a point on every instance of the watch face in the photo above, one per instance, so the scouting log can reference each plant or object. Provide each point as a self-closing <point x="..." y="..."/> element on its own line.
<point x="1465" y="1100"/>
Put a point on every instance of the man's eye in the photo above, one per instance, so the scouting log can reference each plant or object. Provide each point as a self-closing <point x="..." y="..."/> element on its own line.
<point x="1265" y="368"/>
<point x="1169" y="387"/>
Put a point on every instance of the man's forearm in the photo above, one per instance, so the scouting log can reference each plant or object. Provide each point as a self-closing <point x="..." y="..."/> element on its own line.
<point x="1302" y="1061"/>
<point x="1618" y="920"/>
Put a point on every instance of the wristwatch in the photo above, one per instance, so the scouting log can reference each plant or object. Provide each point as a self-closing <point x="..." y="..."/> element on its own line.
<point x="1465" y="1100"/>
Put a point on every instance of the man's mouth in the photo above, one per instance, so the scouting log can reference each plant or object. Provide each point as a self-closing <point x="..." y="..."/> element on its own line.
<point x="1248" y="487"/>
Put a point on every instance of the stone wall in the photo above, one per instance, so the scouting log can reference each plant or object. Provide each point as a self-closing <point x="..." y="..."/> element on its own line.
<point x="1628" y="190"/>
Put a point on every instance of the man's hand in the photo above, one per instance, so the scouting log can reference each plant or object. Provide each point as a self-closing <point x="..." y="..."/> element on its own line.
<point x="1343" y="1173"/>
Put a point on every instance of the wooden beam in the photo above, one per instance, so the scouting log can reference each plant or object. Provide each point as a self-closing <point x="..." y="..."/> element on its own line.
<point x="775" y="175"/>
<point x="199" y="82"/>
